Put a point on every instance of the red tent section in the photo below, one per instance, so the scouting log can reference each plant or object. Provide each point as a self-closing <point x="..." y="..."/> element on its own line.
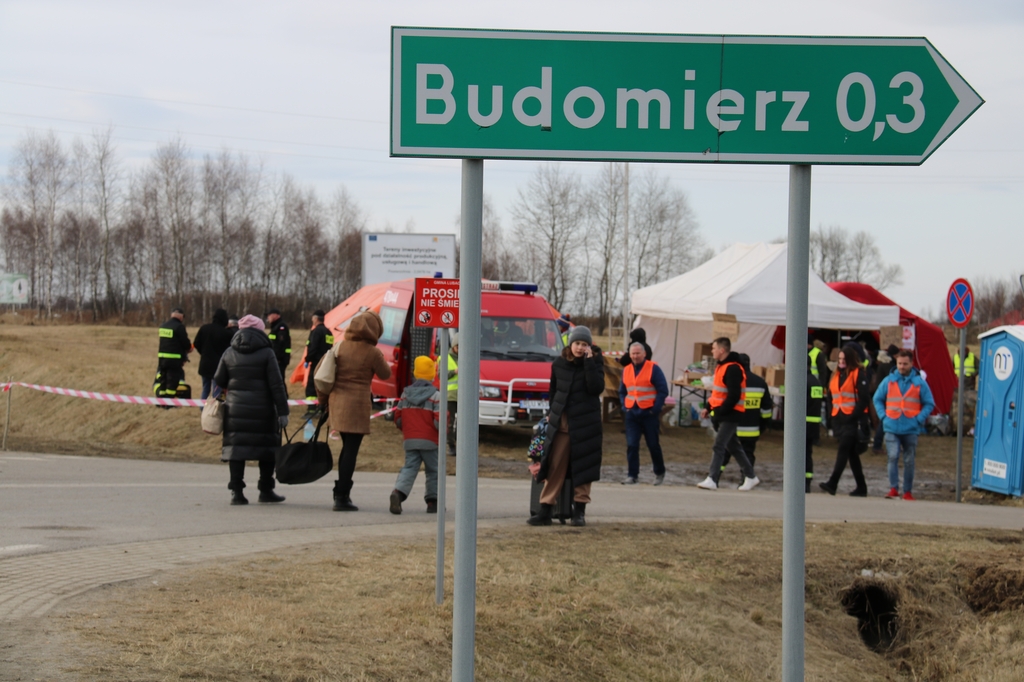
<point x="932" y="354"/>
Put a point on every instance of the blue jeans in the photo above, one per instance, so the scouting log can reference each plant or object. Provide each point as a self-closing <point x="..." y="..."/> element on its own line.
<point x="209" y="387"/>
<point x="893" y="442"/>
<point x="407" y="476"/>
<point x="646" y="423"/>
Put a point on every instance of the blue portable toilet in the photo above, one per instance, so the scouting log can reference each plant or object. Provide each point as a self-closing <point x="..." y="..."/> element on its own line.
<point x="998" y="428"/>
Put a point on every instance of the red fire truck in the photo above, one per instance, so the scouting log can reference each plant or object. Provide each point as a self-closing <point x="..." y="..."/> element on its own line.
<point x="519" y="338"/>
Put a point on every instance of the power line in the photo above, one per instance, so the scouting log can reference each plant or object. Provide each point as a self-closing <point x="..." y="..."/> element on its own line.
<point x="192" y="104"/>
<point x="179" y="132"/>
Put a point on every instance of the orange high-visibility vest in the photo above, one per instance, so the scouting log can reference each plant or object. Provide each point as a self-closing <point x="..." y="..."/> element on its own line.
<point x="639" y="389"/>
<point x="719" y="392"/>
<point x="897" y="404"/>
<point x="844" y="398"/>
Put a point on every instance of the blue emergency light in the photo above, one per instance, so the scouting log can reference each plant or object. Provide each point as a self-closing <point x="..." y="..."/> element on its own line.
<point x="525" y="287"/>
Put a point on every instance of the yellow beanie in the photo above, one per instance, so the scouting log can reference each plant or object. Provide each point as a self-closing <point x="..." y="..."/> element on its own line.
<point x="424" y="368"/>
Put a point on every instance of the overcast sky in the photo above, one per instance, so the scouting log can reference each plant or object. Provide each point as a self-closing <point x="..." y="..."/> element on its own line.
<point x="305" y="86"/>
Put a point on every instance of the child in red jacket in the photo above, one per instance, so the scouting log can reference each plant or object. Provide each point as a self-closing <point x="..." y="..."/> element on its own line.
<point x="416" y="416"/>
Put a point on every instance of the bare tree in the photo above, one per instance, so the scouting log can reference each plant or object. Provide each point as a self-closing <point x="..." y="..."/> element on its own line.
<point x="348" y="223"/>
<point x="838" y="256"/>
<point x="175" y="210"/>
<point x="991" y="299"/>
<point x="105" y="186"/>
<point x="55" y="175"/>
<point x="665" y="237"/>
<point x="548" y="215"/>
<point x="23" y="230"/>
<point x="501" y="259"/>
<point x="39" y="182"/>
<point x="303" y="217"/>
<point x="606" y="201"/>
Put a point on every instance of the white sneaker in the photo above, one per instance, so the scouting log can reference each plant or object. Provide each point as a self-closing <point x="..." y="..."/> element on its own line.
<point x="708" y="484"/>
<point x="750" y="483"/>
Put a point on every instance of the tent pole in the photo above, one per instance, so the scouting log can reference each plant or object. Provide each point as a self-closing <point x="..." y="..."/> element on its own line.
<point x="675" y="349"/>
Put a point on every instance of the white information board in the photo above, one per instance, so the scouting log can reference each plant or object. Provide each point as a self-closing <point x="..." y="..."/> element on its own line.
<point x="390" y="256"/>
<point x="13" y="288"/>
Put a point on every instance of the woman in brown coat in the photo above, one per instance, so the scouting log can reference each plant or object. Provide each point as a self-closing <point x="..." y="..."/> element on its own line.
<point x="358" y="360"/>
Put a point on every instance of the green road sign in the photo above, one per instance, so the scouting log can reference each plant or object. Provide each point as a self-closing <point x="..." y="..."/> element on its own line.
<point x="629" y="97"/>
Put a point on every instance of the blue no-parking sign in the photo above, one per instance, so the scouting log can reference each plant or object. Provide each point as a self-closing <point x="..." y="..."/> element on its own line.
<point x="960" y="303"/>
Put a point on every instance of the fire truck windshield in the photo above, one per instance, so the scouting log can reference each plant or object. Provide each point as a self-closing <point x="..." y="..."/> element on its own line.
<point x="517" y="338"/>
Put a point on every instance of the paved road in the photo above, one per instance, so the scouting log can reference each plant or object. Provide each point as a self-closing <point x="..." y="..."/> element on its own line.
<point x="69" y="524"/>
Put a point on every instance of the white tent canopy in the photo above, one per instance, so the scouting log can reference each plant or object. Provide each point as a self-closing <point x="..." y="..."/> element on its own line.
<point x="748" y="281"/>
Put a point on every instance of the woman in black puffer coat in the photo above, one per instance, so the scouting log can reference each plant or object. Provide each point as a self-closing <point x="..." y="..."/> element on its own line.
<point x="574" y="436"/>
<point x="256" y="408"/>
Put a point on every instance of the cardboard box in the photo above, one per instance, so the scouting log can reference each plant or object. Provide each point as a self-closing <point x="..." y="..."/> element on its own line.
<point x="834" y="355"/>
<point x="689" y="376"/>
<point x="776" y="375"/>
<point x="725" y="325"/>
<point x="700" y="350"/>
<point x="890" y="336"/>
<point x="759" y="370"/>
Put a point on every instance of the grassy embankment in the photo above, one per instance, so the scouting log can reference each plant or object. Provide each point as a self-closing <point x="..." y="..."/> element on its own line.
<point x="665" y="601"/>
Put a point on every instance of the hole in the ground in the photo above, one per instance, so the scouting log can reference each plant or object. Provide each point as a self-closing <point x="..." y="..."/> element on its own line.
<point x="873" y="604"/>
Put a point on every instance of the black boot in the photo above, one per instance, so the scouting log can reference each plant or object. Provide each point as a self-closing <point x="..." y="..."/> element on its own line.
<point x="396" y="500"/>
<point x="267" y="494"/>
<point x="543" y="517"/>
<point x="578" y="510"/>
<point x="342" y="502"/>
<point x="236" y="492"/>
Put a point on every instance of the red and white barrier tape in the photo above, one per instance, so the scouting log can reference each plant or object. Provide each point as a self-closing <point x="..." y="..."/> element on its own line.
<point x="116" y="398"/>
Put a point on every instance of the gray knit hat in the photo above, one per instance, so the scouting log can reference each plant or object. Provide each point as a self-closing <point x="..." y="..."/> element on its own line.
<point x="580" y="333"/>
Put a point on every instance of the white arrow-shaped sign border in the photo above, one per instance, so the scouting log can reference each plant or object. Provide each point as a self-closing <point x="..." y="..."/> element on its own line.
<point x="968" y="100"/>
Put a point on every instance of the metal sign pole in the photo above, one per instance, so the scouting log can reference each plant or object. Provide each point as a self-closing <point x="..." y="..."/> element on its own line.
<point x="795" y="425"/>
<point x="625" y="271"/>
<point x="468" y="434"/>
<point x="7" y="420"/>
<point x="442" y="457"/>
<point x="960" y="410"/>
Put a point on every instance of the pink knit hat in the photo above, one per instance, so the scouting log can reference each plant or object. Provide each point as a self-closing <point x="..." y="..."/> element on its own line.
<point x="251" y="321"/>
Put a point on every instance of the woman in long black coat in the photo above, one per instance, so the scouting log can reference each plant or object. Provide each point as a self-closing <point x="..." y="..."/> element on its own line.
<point x="256" y="408"/>
<point x="574" y="435"/>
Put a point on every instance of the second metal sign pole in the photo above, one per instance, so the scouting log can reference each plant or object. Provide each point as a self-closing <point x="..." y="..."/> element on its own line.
<point x="468" y="435"/>
<point x="960" y="410"/>
<point x="442" y="457"/>
<point x="795" y="425"/>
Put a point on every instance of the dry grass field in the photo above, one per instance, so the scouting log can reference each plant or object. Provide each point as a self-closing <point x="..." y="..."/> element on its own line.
<point x="122" y="360"/>
<point x="665" y="601"/>
<point x="644" y="602"/>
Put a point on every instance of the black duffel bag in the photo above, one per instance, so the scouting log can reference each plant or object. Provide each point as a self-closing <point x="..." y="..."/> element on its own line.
<point x="304" y="462"/>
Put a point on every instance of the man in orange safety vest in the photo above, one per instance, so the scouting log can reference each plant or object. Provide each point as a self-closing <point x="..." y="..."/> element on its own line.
<point x="642" y="394"/>
<point x="726" y="406"/>
<point x="903" y="402"/>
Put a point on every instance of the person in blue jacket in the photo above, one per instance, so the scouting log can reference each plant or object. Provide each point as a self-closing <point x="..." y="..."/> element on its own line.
<point x="903" y="402"/>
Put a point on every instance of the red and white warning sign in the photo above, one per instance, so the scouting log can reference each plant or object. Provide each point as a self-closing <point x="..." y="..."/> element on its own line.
<point x="437" y="302"/>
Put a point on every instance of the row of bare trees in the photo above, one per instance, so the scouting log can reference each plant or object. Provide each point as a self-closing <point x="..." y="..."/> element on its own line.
<point x="996" y="299"/>
<point x="838" y="255"/>
<point x="96" y="239"/>
<point x="570" y="237"/>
